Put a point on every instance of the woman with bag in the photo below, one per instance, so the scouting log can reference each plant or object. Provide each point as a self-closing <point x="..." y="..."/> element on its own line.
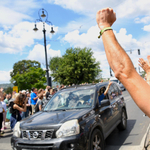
<point x="17" y="106"/>
<point x="1" y="112"/>
<point x="4" y="113"/>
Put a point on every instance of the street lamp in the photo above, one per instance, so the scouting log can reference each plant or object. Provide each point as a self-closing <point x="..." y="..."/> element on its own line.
<point x="43" y="18"/>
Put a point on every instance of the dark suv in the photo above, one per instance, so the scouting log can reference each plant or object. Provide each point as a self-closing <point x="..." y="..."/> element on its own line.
<point x="73" y="120"/>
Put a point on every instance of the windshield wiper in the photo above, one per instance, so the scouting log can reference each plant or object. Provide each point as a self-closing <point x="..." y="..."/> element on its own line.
<point x="60" y="109"/>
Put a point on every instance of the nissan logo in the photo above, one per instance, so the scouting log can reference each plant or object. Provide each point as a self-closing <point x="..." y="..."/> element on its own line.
<point x="35" y="135"/>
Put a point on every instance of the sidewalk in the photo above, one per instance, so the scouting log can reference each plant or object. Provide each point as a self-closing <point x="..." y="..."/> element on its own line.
<point x="5" y="138"/>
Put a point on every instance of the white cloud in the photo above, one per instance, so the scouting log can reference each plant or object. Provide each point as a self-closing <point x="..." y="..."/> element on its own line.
<point x="132" y="8"/>
<point x="143" y="20"/>
<point x="128" y="8"/>
<point x="146" y="28"/>
<point x="38" y="53"/>
<point x="13" y="12"/>
<point x="20" y="36"/>
<point x="5" y="76"/>
<point x="90" y="40"/>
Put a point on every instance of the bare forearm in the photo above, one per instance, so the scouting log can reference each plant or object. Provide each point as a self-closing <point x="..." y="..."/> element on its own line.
<point x="121" y="63"/>
<point x="117" y="57"/>
<point x="24" y="108"/>
<point x="125" y="72"/>
<point x="106" y="89"/>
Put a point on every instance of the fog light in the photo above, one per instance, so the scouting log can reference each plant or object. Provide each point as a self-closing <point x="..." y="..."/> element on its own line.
<point x="72" y="145"/>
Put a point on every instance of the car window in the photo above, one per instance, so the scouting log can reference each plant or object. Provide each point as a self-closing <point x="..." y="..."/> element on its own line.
<point x="101" y="91"/>
<point x="71" y="99"/>
<point x="117" y="90"/>
<point x="111" y="93"/>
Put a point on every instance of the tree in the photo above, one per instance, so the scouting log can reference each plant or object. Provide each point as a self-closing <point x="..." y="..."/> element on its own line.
<point x="34" y="77"/>
<point x="143" y="73"/>
<point x="8" y="90"/>
<point x="75" y="66"/>
<point x="22" y="67"/>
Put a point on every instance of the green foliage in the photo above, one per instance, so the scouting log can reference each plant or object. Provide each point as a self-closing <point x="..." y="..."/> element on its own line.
<point x="143" y="74"/>
<point x="33" y="77"/>
<point x="8" y="90"/>
<point x="23" y="66"/>
<point x="75" y="66"/>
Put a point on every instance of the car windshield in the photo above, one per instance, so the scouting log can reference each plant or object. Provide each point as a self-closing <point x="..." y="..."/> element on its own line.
<point x="71" y="99"/>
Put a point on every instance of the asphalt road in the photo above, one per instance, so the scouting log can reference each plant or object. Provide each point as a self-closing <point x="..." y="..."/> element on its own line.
<point x="137" y="126"/>
<point x="124" y="140"/>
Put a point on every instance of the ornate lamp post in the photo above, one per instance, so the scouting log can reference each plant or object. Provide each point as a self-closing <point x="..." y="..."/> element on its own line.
<point x="43" y="18"/>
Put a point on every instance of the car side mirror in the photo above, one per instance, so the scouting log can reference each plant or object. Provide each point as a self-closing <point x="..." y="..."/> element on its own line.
<point x="105" y="103"/>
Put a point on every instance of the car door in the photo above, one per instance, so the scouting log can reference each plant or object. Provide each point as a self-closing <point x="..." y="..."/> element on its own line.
<point x="105" y="112"/>
<point x="119" y="101"/>
<point x="115" y="103"/>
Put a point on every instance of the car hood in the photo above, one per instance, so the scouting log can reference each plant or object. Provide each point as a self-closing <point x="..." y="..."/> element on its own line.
<point x="48" y="120"/>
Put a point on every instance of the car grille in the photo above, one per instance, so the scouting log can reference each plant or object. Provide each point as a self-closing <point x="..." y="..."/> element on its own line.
<point x="37" y="135"/>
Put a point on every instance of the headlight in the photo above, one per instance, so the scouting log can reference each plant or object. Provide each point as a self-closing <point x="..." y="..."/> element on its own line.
<point x="16" y="131"/>
<point x="68" y="128"/>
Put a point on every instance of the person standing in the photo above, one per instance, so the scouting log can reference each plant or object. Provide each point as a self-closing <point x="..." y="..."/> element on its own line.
<point x="34" y="99"/>
<point x="26" y="114"/>
<point x="39" y="103"/>
<point x="17" y="106"/>
<point x="4" y="113"/>
<point x="7" y="105"/>
<point x="1" y="113"/>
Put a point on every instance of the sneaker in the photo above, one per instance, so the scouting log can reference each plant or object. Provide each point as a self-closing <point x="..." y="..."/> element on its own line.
<point x="2" y="129"/>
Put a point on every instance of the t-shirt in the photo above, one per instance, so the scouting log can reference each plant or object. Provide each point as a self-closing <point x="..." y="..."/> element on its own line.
<point x="6" y="101"/>
<point x="33" y="95"/>
<point x="101" y="97"/>
<point x="4" y="105"/>
<point x="48" y="96"/>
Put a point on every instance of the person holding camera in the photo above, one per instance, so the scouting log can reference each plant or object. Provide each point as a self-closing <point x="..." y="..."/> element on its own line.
<point x="17" y="106"/>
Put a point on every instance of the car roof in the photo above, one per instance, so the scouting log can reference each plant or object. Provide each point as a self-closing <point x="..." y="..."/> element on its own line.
<point x="113" y="78"/>
<point x="85" y="86"/>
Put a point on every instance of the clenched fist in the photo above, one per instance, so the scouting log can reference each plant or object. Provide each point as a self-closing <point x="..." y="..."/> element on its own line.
<point x="105" y="18"/>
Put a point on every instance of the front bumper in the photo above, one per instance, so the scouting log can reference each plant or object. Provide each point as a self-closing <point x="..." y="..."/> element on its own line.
<point x="67" y="143"/>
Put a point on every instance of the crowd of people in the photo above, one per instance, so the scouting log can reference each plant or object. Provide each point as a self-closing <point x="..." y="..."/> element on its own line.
<point x="17" y="106"/>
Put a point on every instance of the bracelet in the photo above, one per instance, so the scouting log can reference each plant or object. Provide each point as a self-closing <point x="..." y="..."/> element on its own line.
<point x="102" y="31"/>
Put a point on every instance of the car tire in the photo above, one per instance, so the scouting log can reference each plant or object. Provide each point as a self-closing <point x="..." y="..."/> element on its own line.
<point x="123" y="123"/>
<point x="97" y="140"/>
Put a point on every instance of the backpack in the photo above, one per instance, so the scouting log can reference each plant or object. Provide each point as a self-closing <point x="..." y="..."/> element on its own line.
<point x="10" y="106"/>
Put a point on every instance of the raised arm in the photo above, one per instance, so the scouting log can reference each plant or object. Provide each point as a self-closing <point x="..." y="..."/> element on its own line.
<point x="145" y="65"/>
<point x="20" y="108"/>
<point x="121" y="63"/>
<point x="106" y="91"/>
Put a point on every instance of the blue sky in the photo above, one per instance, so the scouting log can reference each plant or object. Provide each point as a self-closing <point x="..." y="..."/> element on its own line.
<point x="75" y="24"/>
